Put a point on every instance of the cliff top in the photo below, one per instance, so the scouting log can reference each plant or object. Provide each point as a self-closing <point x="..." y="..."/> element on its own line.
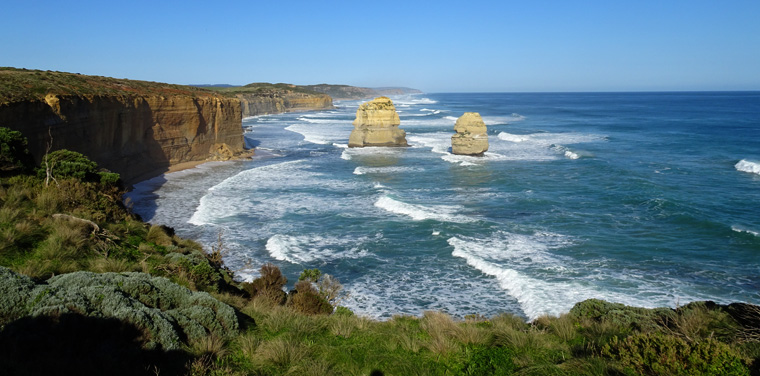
<point x="355" y="92"/>
<point x="263" y="88"/>
<point x="26" y="84"/>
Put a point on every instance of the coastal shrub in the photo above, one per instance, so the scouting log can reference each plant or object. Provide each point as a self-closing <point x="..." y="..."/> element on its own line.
<point x="69" y="164"/>
<point x="327" y="286"/>
<point x="14" y="154"/>
<point x="171" y="314"/>
<point x="658" y="354"/>
<point x="701" y="320"/>
<point x="633" y="318"/>
<point x="268" y="285"/>
<point x="15" y="290"/>
<point x="73" y="344"/>
<point x="306" y="299"/>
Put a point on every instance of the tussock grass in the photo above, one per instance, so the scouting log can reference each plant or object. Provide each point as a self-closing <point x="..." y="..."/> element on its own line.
<point x="157" y="235"/>
<point x="280" y="352"/>
<point x="211" y="346"/>
<point x="104" y="265"/>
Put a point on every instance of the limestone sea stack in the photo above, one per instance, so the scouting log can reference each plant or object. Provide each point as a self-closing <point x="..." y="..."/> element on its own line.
<point x="377" y="124"/>
<point x="471" y="137"/>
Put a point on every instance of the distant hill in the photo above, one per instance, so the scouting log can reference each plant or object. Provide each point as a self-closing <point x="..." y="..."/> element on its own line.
<point x="355" y="92"/>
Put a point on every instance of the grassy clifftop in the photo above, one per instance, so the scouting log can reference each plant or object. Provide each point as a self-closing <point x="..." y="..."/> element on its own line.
<point x="263" y="88"/>
<point x="24" y="84"/>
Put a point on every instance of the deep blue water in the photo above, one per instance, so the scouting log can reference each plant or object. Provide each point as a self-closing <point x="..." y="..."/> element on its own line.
<point x="649" y="199"/>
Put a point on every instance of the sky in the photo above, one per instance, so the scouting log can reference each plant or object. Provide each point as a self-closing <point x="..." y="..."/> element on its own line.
<point x="434" y="46"/>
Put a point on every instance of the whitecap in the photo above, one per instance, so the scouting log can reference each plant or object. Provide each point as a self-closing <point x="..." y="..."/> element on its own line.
<point x="442" y="213"/>
<point x="512" y="137"/>
<point x="361" y="170"/>
<point x="748" y="166"/>
<point x="743" y="229"/>
<point x="310" y="248"/>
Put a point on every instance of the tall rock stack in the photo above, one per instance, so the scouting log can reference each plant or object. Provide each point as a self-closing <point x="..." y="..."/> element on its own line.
<point x="471" y="137"/>
<point x="377" y="124"/>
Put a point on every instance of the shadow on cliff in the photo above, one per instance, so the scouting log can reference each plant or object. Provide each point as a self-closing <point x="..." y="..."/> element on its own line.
<point x="72" y="344"/>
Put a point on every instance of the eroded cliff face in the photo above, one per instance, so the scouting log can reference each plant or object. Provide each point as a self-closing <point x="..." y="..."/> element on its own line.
<point x="136" y="136"/>
<point x="275" y="103"/>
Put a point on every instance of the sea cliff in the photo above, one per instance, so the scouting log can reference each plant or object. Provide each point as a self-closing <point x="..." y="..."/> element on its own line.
<point x="135" y="128"/>
<point x="265" y="98"/>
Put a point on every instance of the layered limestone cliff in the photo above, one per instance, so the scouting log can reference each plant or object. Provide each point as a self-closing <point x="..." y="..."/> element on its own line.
<point x="135" y="128"/>
<point x="253" y="104"/>
<point x="377" y="124"/>
<point x="471" y="137"/>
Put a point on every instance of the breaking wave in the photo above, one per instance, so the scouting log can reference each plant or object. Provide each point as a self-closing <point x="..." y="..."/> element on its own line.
<point x="748" y="166"/>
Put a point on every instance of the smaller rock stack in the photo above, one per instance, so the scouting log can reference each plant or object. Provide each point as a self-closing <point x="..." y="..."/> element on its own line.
<point x="377" y="124"/>
<point x="471" y="137"/>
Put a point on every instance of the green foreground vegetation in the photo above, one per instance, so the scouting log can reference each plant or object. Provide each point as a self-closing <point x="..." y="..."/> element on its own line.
<point x="86" y="287"/>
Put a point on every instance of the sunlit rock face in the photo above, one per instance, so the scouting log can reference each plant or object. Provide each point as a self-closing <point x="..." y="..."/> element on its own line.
<point x="471" y="137"/>
<point x="377" y="124"/>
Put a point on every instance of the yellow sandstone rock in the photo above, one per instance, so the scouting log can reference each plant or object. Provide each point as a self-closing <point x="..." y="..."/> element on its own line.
<point x="377" y="124"/>
<point x="471" y="137"/>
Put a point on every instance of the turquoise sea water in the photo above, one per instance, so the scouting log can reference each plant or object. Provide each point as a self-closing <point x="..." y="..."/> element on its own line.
<point x="648" y="199"/>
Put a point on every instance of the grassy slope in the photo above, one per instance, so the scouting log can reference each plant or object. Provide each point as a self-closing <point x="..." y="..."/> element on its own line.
<point x="22" y="84"/>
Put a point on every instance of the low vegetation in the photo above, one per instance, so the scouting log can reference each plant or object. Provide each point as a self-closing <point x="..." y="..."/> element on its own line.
<point x="27" y="84"/>
<point x="263" y="88"/>
<point x="87" y="288"/>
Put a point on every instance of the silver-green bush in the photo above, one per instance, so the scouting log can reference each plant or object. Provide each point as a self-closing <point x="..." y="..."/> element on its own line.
<point x="169" y="313"/>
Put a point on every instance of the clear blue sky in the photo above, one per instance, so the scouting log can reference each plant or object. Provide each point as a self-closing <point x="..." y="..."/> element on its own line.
<point x="436" y="46"/>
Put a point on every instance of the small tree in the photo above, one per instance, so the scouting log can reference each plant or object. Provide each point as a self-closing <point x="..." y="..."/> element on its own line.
<point x="327" y="286"/>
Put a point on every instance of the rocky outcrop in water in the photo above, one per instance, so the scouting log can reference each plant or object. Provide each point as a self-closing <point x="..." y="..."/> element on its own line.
<point x="135" y="128"/>
<point x="471" y="137"/>
<point x="377" y="124"/>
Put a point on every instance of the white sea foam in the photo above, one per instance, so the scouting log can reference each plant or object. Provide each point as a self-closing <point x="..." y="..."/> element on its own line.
<point x="748" y="166"/>
<point x="361" y="170"/>
<point x="446" y="121"/>
<point x="351" y="153"/>
<point x="442" y="213"/>
<point x="307" y="249"/>
<point x="512" y="137"/>
<point x="541" y="146"/>
<point x="496" y="120"/>
<point x="530" y="269"/>
<point x="274" y="196"/>
<point x="503" y="254"/>
<point x="743" y="229"/>
<point x="462" y="160"/>
<point x="324" y="120"/>
<point x="324" y="135"/>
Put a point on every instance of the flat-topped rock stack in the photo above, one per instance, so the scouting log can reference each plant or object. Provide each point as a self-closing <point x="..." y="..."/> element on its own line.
<point x="377" y="124"/>
<point x="471" y="137"/>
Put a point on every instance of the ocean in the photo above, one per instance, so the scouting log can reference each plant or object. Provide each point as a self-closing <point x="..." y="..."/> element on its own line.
<point x="647" y="199"/>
